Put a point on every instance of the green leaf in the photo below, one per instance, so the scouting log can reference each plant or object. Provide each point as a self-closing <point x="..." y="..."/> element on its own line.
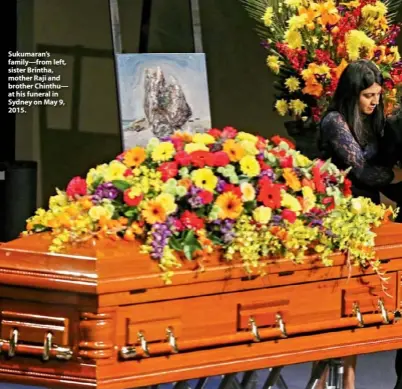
<point x="215" y="239"/>
<point x="121" y="185"/>
<point x="97" y="182"/>
<point x="394" y="7"/>
<point x="249" y="206"/>
<point x="187" y="244"/>
<point x="189" y="237"/>
<point x="131" y="212"/>
<point x="40" y="228"/>
<point x="188" y="252"/>
<point x="175" y="244"/>
<point x="190" y="249"/>
<point x="324" y="167"/>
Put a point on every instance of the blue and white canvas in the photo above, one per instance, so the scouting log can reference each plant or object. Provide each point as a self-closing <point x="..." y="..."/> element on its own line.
<point x="161" y="93"/>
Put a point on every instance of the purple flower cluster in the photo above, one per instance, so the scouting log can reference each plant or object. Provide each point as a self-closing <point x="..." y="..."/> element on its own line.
<point x="226" y="229"/>
<point x="221" y="185"/>
<point x="276" y="220"/>
<point x="105" y="191"/>
<point x="316" y="222"/>
<point x="195" y="201"/>
<point x="160" y="238"/>
<point x="267" y="173"/>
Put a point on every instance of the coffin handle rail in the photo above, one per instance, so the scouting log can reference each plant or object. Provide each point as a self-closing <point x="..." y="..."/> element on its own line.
<point x="13" y="347"/>
<point x="281" y="330"/>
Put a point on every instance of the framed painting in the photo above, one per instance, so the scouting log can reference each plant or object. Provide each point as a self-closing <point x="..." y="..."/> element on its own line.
<point x="161" y="93"/>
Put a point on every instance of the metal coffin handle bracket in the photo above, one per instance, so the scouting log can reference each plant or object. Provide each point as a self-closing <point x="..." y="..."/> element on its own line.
<point x="63" y="353"/>
<point x="143" y="343"/>
<point x="254" y="330"/>
<point x="281" y="325"/>
<point x="384" y="313"/>
<point x="13" y="342"/>
<point x="128" y="352"/>
<point x="172" y="340"/>
<point x="47" y="346"/>
<point x="359" y="315"/>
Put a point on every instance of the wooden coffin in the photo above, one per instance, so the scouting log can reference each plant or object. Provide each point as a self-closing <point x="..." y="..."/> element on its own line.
<point x="100" y="315"/>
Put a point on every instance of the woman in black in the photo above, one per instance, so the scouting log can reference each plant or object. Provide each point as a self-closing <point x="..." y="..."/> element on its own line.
<point x="350" y="134"/>
<point x="352" y="129"/>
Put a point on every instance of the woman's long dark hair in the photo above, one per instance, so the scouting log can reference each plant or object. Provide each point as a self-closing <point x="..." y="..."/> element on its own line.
<point x="357" y="77"/>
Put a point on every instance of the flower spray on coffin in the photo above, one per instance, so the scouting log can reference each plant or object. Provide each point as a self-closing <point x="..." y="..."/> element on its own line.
<point x="189" y="195"/>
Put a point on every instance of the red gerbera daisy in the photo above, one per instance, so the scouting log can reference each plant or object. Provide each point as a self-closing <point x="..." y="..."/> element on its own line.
<point x="270" y="195"/>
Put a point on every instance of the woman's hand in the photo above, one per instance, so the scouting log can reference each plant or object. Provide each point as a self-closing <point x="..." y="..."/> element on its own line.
<point x="397" y="175"/>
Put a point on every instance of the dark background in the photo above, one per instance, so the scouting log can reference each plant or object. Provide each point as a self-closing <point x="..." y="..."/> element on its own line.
<point x="68" y="141"/>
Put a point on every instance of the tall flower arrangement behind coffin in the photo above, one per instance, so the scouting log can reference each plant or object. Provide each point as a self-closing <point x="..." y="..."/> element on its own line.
<point x="310" y="42"/>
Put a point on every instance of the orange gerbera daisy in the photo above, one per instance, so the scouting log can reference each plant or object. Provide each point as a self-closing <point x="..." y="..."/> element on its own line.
<point x="230" y="206"/>
<point x="154" y="212"/>
<point x="291" y="179"/>
<point x="233" y="150"/>
<point x="186" y="182"/>
<point x="134" y="157"/>
<point x="184" y="136"/>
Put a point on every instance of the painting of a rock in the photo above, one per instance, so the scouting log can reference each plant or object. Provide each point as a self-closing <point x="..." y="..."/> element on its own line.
<point x="161" y="93"/>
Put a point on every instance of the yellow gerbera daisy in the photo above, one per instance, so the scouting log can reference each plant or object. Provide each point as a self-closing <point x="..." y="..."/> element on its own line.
<point x="250" y="166"/>
<point x="205" y="179"/>
<point x="234" y="150"/>
<point x="163" y="152"/>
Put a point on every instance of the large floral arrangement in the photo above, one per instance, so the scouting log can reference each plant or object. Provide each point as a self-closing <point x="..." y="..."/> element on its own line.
<point x="188" y="195"/>
<point x="310" y="42"/>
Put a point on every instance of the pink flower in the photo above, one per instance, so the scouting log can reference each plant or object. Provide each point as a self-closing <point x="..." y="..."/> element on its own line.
<point x="220" y="158"/>
<point x="229" y="132"/>
<point x="289" y="215"/>
<point x="76" y="187"/>
<point x="215" y="133"/>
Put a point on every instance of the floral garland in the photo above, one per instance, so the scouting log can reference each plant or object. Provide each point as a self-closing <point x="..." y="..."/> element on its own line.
<point x="310" y="42"/>
<point x="191" y="194"/>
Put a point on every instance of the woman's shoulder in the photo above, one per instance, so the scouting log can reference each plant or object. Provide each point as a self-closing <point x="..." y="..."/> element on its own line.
<point x="332" y="117"/>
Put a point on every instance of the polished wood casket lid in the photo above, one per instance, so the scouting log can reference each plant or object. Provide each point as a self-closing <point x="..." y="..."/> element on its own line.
<point x="106" y="266"/>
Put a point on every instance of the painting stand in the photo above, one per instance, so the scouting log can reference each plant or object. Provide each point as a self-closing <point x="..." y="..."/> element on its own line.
<point x="145" y="26"/>
<point x="115" y="24"/>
